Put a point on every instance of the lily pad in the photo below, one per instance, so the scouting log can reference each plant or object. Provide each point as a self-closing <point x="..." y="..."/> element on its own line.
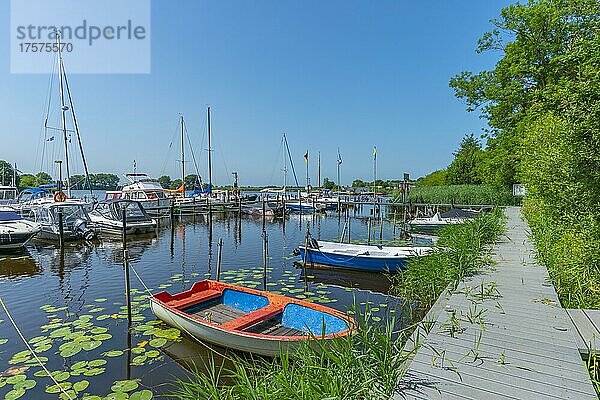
<point x="116" y="396"/>
<point x="87" y="346"/>
<point x="158" y="342"/>
<point x="14" y="394"/>
<point x="124" y="386"/>
<point x="57" y="388"/>
<point x="97" y="363"/>
<point x="141" y="395"/>
<point x="81" y="386"/>
<point x="69" y="349"/>
<point x="16" y="379"/>
<point x="113" y="353"/>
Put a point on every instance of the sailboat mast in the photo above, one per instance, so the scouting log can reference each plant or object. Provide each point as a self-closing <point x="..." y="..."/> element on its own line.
<point x="209" y="153"/>
<point x="182" y="151"/>
<point x="319" y="168"/>
<point x="64" y="109"/>
<point x="307" y="178"/>
<point x="284" y="165"/>
<point x="76" y="126"/>
<point x="339" y="164"/>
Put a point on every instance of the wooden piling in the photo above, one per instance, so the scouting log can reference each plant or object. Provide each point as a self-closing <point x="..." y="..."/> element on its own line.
<point x="265" y="257"/>
<point x="219" y="258"/>
<point x="127" y="283"/>
<point x="61" y="229"/>
<point x="124" y="230"/>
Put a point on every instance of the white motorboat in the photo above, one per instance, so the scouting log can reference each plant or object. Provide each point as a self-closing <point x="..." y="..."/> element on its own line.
<point x="107" y="216"/>
<point x="76" y="222"/>
<point x="8" y="194"/>
<point x="146" y="190"/>
<point x="15" y="232"/>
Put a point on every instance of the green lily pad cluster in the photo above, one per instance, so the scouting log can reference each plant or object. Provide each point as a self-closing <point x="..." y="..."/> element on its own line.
<point x="20" y="385"/>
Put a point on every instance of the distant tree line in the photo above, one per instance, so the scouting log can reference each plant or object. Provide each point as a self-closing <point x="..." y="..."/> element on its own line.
<point x="192" y="182"/>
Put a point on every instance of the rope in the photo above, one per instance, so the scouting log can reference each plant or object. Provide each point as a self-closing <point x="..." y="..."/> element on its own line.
<point x="181" y="327"/>
<point x="139" y="278"/>
<point x="31" y="350"/>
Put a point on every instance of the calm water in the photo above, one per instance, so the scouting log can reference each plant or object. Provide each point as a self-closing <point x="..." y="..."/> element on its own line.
<point x="70" y="304"/>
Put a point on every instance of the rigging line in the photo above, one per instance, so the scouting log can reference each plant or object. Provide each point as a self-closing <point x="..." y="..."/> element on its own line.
<point x="291" y="161"/>
<point x="31" y="350"/>
<point x="275" y="164"/>
<point x="182" y="328"/>
<point x="46" y="115"/>
<point x="193" y="155"/>
<point x="168" y="155"/>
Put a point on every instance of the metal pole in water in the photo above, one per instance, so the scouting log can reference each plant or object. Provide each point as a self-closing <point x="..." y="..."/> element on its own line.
<point x="220" y="254"/>
<point x="369" y="231"/>
<point x="61" y="231"/>
<point x="264" y="214"/>
<point x="380" y="227"/>
<point x="265" y="257"/>
<point x="349" y="219"/>
<point x="305" y="258"/>
<point x="127" y="283"/>
<point x="124" y="231"/>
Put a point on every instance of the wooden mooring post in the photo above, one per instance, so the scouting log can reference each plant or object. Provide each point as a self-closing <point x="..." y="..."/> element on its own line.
<point x="219" y="258"/>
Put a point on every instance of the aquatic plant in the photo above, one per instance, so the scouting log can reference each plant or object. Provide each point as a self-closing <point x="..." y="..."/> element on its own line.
<point x="367" y="365"/>
<point x="460" y="252"/>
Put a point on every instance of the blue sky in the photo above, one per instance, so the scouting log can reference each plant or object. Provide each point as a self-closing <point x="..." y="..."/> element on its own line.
<point x="348" y="74"/>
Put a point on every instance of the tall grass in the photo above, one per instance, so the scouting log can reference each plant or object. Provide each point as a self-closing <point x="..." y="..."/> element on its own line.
<point x="570" y="249"/>
<point x="461" y="253"/>
<point x="462" y="194"/>
<point x="367" y="365"/>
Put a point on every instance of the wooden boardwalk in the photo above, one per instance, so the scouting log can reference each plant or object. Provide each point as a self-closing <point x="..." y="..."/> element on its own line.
<point x="587" y="328"/>
<point x="501" y="335"/>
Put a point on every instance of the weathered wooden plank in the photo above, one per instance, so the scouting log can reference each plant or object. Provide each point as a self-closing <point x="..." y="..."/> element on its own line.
<point x="536" y="341"/>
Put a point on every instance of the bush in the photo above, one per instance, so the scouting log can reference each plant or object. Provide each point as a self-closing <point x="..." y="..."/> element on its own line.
<point x="462" y="194"/>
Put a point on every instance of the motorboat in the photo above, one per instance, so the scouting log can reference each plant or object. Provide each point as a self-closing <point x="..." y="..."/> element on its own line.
<point x="8" y="194"/>
<point x="76" y="223"/>
<point x="15" y="231"/>
<point x="439" y="220"/>
<point x="148" y="191"/>
<point x="249" y="320"/>
<point x="107" y="216"/>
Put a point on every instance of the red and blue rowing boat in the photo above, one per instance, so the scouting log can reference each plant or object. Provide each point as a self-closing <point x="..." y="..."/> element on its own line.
<point x="248" y="320"/>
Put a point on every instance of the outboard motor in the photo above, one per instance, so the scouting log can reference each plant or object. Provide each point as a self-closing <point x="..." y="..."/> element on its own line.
<point x="81" y="229"/>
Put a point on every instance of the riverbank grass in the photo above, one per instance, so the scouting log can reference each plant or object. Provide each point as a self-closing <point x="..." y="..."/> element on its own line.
<point x="461" y="252"/>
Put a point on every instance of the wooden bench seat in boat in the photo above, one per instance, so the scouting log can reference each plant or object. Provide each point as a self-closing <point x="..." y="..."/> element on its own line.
<point x="194" y="299"/>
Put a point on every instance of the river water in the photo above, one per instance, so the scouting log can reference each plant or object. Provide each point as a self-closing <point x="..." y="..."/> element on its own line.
<point x="70" y="304"/>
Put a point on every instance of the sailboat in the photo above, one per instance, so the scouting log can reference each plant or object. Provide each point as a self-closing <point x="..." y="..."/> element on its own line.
<point x="44" y="208"/>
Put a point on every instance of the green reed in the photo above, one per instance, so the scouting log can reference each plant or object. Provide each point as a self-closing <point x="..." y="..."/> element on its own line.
<point x="462" y="194"/>
<point x="366" y="365"/>
<point x="460" y="252"/>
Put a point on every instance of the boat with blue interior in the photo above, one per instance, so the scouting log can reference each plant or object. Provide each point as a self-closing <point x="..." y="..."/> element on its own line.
<point x="249" y="320"/>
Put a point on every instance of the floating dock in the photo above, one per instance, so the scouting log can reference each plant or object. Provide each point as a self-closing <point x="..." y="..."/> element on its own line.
<point x="502" y="334"/>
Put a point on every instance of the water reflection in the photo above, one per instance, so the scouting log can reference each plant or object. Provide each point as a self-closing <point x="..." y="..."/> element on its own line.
<point x="18" y="265"/>
<point x="88" y="279"/>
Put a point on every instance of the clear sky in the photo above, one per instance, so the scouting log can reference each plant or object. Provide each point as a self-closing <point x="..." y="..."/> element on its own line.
<point x="347" y="74"/>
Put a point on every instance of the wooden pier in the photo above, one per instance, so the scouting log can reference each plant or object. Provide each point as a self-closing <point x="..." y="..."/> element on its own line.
<point x="501" y="335"/>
